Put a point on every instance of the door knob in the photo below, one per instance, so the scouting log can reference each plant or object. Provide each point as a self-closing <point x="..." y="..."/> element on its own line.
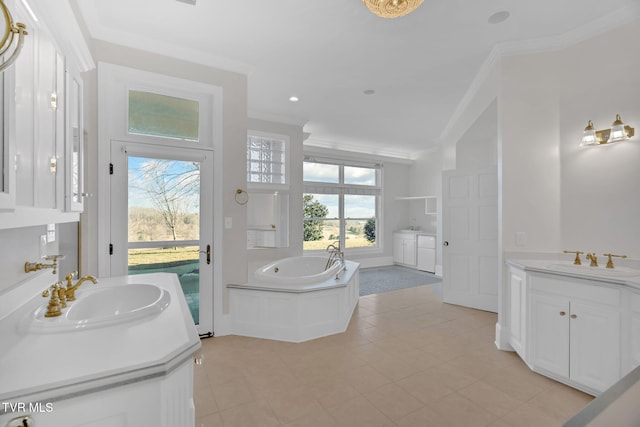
<point x="445" y="243"/>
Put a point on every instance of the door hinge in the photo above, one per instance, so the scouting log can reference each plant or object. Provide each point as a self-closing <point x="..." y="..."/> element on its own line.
<point x="110" y="168"/>
<point x="110" y="248"/>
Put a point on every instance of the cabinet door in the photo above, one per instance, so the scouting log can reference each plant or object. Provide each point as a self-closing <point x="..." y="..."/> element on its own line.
<point x="517" y="319"/>
<point x="550" y="334"/>
<point x="595" y="345"/>
<point x="398" y="249"/>
<point x="409" y="257"/>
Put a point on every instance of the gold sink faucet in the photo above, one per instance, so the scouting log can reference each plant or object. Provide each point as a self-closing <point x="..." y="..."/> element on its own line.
<point x="593" y="258"/>
<point x="35" y="266"/>
<point x="577" y="260"/>
<point x="70" y="291"/>
<point x="56" y="304"/>
<point x="609" y="262"/>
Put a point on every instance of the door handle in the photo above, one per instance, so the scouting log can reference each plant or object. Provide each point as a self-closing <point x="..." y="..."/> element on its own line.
<point x="208" y="252"/>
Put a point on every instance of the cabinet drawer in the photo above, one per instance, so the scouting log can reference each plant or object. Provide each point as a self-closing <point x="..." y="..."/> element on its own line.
<point x="574" y="289"/>
<point x="635" y="302"/>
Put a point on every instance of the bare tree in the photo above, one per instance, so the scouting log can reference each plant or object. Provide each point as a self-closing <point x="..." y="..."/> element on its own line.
<point x="173" y="188"/>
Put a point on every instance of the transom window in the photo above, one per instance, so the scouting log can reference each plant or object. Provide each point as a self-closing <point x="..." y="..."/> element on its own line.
<point x="154" y="114"/>
<point x="341" y="203"/>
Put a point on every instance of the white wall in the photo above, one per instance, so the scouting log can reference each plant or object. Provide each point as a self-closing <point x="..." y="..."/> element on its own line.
<point x="529" y="155"/>
<point x="600" y="200"/>
<point x="20" y="245"/>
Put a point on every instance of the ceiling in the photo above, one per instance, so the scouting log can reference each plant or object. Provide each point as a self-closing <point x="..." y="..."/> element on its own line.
<point x="329" y="52"/>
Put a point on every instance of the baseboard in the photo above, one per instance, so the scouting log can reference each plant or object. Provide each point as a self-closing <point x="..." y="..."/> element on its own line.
<point x="438" y="270"/>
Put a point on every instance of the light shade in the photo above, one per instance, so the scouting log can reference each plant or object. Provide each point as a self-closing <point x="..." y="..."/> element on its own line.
<point x="618" y="132"/>
<point x="392" y="8"/>
<point x="589" y="136"/>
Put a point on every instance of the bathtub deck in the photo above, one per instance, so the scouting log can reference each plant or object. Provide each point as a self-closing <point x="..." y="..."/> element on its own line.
<point x="294" y="313"/>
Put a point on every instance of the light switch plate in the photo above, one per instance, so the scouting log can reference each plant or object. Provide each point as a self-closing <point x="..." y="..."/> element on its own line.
<point x="228" y="222"/>
<point x="521" y="238"/>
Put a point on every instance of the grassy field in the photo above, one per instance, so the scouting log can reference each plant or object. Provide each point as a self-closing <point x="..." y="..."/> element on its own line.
<point x="161" y="256"/>
<point x="330" y="232"/>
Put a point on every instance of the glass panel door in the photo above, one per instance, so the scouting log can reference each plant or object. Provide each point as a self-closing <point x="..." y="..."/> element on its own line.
<point x="168" y="221"/>
<point x="164" y="222"/>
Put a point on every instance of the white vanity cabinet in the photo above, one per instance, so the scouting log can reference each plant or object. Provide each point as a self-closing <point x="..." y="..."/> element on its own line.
<point x="164" y="401"/>
<point x="518" y="310"/>
<point x="571" y="329"/>
<point x="634" y="331"/>
<point x="575" y="331"/>
<point x="404" y="248"/>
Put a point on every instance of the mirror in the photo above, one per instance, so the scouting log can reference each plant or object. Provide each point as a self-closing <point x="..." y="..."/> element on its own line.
<point x="268" y="219"/>
<point x="74" y="141"/>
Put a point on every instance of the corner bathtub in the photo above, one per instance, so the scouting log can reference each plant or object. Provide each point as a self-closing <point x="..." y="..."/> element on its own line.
<point x="294" y="299"/>
<point x="298" y="270"/>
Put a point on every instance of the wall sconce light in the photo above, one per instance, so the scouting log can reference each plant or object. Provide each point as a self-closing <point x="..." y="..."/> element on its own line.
<point x="618" y="132"/>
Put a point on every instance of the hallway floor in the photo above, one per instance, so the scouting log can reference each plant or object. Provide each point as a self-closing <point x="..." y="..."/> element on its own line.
<point x="406" y="359"/>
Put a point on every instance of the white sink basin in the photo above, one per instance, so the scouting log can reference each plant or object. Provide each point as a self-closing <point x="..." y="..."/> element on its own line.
<point x="100" y="307"/>
<point x="595" y="271"/>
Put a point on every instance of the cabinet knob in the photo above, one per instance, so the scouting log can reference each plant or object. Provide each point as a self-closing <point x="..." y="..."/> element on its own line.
<point x="573" y="316"/>
<point x="445" y="243"/>
<point x="562" y="313"/>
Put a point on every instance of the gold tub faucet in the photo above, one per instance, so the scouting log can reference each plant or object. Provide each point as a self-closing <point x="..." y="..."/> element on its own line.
<point x="593" y="258"/>
<point x="70" y="291"/>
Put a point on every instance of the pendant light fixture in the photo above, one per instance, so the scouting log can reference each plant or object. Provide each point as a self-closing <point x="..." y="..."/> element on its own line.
<point x="392" y="8"/>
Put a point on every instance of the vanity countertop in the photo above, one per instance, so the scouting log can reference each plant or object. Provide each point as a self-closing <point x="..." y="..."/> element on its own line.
<point x="620" y="275"/>
<point x="56" y="365"/>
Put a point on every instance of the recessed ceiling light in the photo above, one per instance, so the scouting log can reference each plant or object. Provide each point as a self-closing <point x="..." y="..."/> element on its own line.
<point x="369" y="92"/>
<point x="499" y="17"/>
<point x="294" y="99"/>
<point x="193" y="2"/>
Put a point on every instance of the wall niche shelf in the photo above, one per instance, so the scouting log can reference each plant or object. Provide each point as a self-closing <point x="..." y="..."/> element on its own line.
<point x="430" y="203"/>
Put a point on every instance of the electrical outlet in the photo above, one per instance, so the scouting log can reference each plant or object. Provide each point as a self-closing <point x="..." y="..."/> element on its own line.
<point x="43" y="246"/>
<point x="228" y="222"/>
<point x="51" y="233"/>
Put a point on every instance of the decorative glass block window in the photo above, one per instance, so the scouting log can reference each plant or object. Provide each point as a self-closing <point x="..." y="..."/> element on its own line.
<point x="266" y="159"/>
<point x="161" y="115"/>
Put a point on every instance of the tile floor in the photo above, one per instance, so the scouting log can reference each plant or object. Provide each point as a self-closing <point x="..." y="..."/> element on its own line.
<point x="406" y="360"/>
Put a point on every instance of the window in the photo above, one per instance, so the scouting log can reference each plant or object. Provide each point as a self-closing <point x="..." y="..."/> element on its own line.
<point x="160" y="115"/>
<point x="341" y="203"/>
<point x="266" y="159"/>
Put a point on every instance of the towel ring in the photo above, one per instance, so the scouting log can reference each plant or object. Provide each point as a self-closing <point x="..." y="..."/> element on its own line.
<point x="242" y="197"/>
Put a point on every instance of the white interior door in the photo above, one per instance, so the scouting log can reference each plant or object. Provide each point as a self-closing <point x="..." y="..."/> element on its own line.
<point x="470" y="228"/>
<point x="162" y="219"/>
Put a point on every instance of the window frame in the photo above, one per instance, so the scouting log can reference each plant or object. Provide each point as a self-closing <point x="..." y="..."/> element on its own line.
<point x="206" y="110"/>
<point x="341" y="189"/>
